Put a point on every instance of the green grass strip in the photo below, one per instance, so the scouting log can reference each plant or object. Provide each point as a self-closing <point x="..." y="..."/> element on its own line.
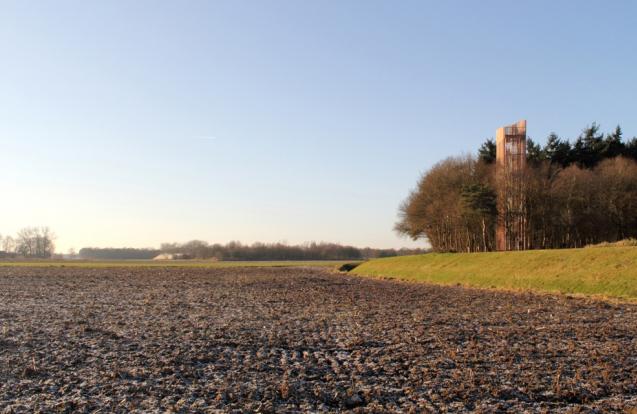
<point x="609" y="272"/>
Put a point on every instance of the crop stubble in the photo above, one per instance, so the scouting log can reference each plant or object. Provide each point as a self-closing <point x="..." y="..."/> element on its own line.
<point x="302" y="339"/>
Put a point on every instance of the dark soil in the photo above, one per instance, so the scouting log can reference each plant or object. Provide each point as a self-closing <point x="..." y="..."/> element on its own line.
<point x="299" y="340"/>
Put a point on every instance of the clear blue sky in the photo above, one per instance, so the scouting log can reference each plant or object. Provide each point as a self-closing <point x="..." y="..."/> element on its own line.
<point x="129" y="123"/>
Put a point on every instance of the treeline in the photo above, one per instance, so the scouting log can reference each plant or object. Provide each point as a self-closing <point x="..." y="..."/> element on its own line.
<point x="278" y="251"/>
<point x="588" y="150"/>
<point x="29" y="242"/>
<point x="575" y="194"/>
<point x="197" y="249"/>
<point x="123" y="253"/>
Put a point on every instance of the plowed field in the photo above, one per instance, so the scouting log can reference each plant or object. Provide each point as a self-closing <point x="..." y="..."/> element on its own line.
<point x="302" y="339"/>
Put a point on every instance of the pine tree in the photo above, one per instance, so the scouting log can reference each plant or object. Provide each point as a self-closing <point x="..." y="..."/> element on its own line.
<point x="487" y="151"/>
<point x="578" y="152"/>
<point x="613" y="145"/>
<point x="593" y="146"/>
<point x="480" y="200"/>
<point x="557" y="151"/>
<point x="534" y="153"/>
<point x="631" y="149"/>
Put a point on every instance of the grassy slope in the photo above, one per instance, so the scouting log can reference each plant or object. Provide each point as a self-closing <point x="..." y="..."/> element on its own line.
<point x="610" y="271"/>
<point x="168" y="263"/>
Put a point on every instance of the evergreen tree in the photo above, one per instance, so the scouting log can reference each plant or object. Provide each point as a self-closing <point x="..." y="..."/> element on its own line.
<point x="534" y="153"/>
<point x="480" y="198"/>
<point x="578" y="152"/>
<point x="592" y="146"/>
<point x="557" y="151"/>
<point x="613" y="145"/>
<point x="630" y="149"/>
<point x="480" y="202"/>
<point x="487" y="151"/>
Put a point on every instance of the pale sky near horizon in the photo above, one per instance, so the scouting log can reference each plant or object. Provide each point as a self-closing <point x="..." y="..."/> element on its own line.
<point x="131" y="123"/>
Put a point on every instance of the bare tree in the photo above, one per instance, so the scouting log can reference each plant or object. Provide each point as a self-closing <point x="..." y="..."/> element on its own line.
<point x="452" y="206"/>
<point x="35" y="242"/>
<point x="25" y="243"/>
<point x="8" y="244"/>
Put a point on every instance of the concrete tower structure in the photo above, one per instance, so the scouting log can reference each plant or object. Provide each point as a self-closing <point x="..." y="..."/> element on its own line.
<point x="510" y="231"/>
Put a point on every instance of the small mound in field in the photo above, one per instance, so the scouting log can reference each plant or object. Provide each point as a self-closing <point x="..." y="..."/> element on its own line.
<point x="630" y="242"/>
<point x="347" y="267"/>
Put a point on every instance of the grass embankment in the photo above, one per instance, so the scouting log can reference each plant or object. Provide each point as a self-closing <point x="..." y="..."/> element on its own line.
<point x="172" y="263"/>
<point x="610" y="272"/>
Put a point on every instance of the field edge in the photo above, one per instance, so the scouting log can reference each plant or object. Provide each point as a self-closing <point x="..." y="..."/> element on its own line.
<point x="173" y="263"/>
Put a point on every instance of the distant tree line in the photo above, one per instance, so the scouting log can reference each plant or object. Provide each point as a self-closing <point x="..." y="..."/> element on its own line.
<point x="197" y="249"/>
<point x="576" y="194"/>
<point x="29" y="242"/>
<point x="113" y="253"/>
<point x="278" y="251"/>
